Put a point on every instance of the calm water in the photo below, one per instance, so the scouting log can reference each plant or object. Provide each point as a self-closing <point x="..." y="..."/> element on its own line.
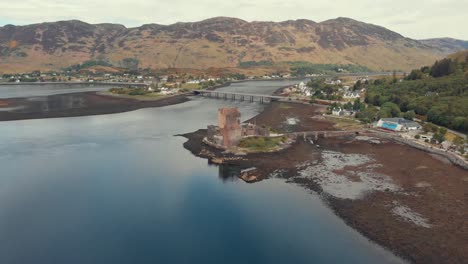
<point x="121" y="189"/>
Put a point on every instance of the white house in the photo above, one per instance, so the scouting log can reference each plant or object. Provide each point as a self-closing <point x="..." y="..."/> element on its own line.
<point x="304" y="89"/>
<point x="301" y="86"/>
<point x="351" y="95"/>
<point x="336" y="111"/>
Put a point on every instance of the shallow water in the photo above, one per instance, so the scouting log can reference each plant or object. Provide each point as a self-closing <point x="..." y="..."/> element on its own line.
<point x="121" y="188"/>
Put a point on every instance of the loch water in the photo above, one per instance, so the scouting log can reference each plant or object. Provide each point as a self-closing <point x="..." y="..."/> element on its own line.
<point x="121" y="188"/>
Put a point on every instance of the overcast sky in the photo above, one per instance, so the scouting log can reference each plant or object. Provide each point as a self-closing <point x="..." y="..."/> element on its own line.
<point x="414" y="19"/>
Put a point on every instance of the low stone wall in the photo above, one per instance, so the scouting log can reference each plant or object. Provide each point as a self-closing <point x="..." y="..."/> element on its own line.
<point x="211" y="144"/>
<point x="450" y="156"/>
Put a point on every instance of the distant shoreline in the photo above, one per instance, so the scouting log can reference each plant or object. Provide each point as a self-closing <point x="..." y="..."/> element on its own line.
<point x="236" y="81"/>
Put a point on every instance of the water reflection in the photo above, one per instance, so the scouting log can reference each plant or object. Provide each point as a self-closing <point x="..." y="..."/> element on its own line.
<point x="228" y="173"/>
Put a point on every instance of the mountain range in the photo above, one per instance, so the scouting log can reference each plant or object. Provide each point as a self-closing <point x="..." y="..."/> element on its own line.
<point x="219" y="42"/>
<point x="446" y="45"/>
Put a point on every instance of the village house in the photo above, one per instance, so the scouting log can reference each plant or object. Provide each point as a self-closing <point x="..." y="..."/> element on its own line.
<point x="333" y="82"/>
<point x="304" y="90"/>
<point x="338" y="111"/>
<point x="352" y="95"/>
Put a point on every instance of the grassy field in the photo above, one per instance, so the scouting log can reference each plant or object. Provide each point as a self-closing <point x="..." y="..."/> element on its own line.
<point x="258" y="144"/>
<point x="284" y="106"/>
<point x="450" y="136"/>
<point x="344" y="123"/>
<point x="193" y="86"/>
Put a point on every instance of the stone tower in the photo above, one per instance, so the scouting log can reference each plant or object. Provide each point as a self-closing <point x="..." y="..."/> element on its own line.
<point x="229" y="126"/>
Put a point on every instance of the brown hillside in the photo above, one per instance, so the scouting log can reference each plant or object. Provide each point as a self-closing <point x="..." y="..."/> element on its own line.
<point x="218" y="42"/>
<point x="460" y="56"/>
<point x="446" y="46"/>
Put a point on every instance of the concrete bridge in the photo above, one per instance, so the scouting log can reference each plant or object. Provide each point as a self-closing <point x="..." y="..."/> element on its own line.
<point x="327" y="134"/>
<point x="262" y="98"/>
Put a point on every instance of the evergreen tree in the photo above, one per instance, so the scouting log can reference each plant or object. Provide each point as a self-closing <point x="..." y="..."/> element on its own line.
<point x="443" y="68"/>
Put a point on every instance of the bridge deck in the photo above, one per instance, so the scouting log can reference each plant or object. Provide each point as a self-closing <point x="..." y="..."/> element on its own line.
<point x="240" y="94"/>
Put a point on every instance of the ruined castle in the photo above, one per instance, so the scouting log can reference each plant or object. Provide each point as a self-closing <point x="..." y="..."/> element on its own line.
<point x="229" y="126"/>
<point x="230" y="131"/>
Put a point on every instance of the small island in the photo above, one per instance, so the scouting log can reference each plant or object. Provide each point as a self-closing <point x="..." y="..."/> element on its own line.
<point x="233" y="143"/>
<point x="232" y="136"/>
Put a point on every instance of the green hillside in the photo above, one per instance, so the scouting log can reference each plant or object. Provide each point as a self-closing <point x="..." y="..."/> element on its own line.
<point x="438" y="92"/>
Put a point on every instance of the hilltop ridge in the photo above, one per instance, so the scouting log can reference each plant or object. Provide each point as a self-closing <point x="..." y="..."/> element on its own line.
<point x="214" y="42"/>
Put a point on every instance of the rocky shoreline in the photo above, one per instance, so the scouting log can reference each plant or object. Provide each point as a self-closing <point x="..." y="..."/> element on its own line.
<point x="398" y="196"/>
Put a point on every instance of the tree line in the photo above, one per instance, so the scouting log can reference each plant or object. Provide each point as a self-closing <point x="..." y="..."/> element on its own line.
<point x="437" y="93"/>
